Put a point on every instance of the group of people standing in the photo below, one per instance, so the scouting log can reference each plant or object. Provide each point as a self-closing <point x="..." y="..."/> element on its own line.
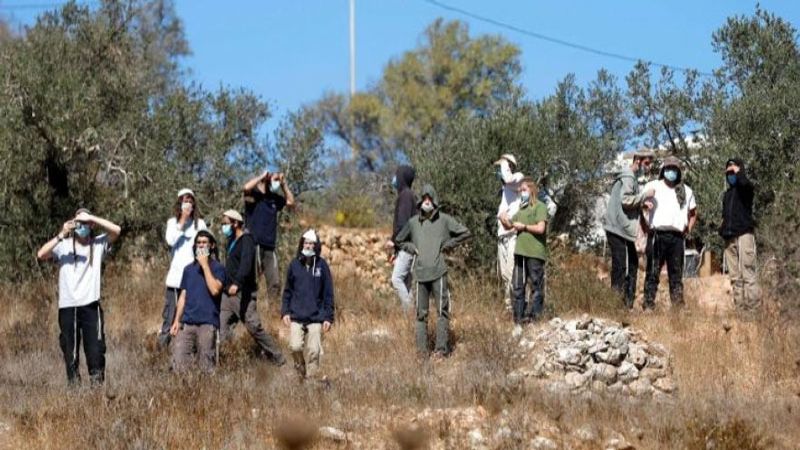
<point x="663" y="211"/>
<point x="204" y="298"/>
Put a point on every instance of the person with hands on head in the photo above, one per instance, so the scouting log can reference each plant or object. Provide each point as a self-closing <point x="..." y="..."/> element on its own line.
<point x="308" y="304"/>
<point x="264" y="197"/>
<point x="621" y="224"/>
<point x="180" y="233"/>
<point x="80" y="257"/>
<point x="428" y="235"/>
<point x="507" y="238"/>
<point x="671" y="213"/>
<point x="738" y="231"/>
<point x="196" y="324"/>
<point x="530" y="252"/>
<point x="239" y="295"/>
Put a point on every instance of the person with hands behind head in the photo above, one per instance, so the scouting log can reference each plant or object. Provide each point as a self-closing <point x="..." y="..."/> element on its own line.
<point x="239" y="296"/>
<point x="530" y="252"/>
<point x="196" y="323"/>
<point x="264" y="197"/>
<point x="80" y="256"/>
<point x="180" y="233"/>
<point x="308" y="305"/>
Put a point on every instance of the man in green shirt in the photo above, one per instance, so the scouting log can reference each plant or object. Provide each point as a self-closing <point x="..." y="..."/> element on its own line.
<point x="426" y="236"/>
<point x="530" y="252"/>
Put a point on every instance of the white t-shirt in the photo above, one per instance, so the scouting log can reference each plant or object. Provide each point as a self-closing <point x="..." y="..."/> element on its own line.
<point x="509" y="200"/>
<point x="666" y="214"/>
<point x="79" y="270"/>
<point x="180" y="242"/>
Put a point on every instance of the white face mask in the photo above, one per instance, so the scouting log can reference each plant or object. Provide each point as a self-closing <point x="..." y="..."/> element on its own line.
<point x="275" y="186"/>
<point x="525" y="197"/>
<point x="187" y="206"/>
<point x="427" y="207"/>
<point x="308" y="252"/>
<point x="202" y="251"/>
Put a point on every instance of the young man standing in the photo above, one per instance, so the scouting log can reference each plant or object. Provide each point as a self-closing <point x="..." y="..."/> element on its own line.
<point x="671" y="215"/>
<point x="264" y="197"/>
<point x="197" y="319"/>
<point x="427" y="235"/>
<point x="622" y="224"/>
<point x="530" y="252"/>
<point x="239" y="297"/>
<point x="404" y="208"/>
<point x="738" y="229"/>
<point x="507" y="238"/>
<point x="308" y="307"/>
<point x="181" y="231"/>
<point x="80" y="258"/>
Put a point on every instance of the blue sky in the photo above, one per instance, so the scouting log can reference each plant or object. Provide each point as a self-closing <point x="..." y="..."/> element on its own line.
<point x="290" y="52"/>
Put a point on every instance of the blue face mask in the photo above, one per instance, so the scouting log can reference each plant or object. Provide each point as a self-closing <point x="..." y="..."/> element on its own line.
<point x="671" y="175"/>
<point x="525" y="197"/>
<point x="227" y="229"/>
<point x="275" y="186"/>
<point x="731" y="179"/>
<point x="394" y="182"/>
<point x="82" y="230"/>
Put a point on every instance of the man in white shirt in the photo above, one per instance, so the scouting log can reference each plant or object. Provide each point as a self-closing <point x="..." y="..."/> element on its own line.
<point x="80" y="257"/>
<point x="509" y="204"/>
<point x="671" y="213"/>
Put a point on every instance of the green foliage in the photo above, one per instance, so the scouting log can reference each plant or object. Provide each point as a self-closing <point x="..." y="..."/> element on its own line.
<point x="93" y="112"/>
<point x="299" y="151"/>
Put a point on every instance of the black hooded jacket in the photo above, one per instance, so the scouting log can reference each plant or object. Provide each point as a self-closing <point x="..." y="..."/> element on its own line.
<point x="737" y="206"/>
<point x="406" y="205"/>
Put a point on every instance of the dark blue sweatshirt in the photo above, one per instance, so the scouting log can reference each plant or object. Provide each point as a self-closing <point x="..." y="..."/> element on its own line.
<point x="308" y="295"/>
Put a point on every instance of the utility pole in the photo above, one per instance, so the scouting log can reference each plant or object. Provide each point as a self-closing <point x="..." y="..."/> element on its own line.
<point x="352" y="72"/>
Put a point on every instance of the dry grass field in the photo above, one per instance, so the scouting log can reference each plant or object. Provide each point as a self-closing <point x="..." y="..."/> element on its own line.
<point x="738" y="382"/>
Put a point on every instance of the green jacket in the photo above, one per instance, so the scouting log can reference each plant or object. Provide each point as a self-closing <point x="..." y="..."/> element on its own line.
<point x="624" y="206"/>
<point x="426" y="236"/>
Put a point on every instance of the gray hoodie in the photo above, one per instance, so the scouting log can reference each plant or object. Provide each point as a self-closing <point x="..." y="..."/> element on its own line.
<point x="624" y="206"/>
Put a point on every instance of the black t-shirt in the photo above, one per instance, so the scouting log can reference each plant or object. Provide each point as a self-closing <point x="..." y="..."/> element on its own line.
<point x="261" y="216"/>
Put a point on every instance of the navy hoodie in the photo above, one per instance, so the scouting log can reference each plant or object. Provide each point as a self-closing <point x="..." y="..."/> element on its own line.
<point x="308" y="295"/>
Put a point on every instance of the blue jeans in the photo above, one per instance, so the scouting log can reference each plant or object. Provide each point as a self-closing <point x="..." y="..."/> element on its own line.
<point x="401" y="277"/>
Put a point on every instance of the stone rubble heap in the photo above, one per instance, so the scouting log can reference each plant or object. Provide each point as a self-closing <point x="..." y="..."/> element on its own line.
<point x="358" y="254"/>
<point x="593" y="354"/>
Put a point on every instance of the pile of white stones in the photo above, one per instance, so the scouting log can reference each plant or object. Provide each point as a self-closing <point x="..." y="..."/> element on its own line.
<point x="593" y="354"/>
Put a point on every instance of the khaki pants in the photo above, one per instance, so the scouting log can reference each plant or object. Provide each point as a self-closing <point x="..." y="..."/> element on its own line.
<point x="305" y="342"/>
<point x="505" y="264"/>
<point x="740" y="259"/>
<point x="200" y="340"/>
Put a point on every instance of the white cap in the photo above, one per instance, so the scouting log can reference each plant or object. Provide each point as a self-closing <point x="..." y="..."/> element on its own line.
<point x="508" y="157"/>
<point x="185" y="191"/>
<point x="233" y="215"/>
<point x="310" y="235"/>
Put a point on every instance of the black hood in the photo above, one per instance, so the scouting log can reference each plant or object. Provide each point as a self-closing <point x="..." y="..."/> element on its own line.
<point x="738" y="161"/>
<point x="405" y="177"/>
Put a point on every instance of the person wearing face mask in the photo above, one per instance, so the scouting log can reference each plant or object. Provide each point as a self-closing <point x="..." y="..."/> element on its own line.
<point x="180" y="233"/>
<point x="80" y="257"/>
<point x="264" y="197"/>
<point x="671" y="213"/>
<point x="307" y="307"/>
<point x="738" y="227"/>
<point x="530" y="252"/>
<point x="196" y="323"/>
<point x="426" y="236"/>
<point x="621" y="224"/>
<point x="509" y="205"/>
<point x="239" y="294"/>
<point x="404" y="208"/>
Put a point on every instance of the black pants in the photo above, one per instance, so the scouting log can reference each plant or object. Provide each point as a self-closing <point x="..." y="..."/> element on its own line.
<point x="528" y="269"/>
<point x="664" y="247"/>
<point x="83" y="323"/>
<point x="624" y="267"/>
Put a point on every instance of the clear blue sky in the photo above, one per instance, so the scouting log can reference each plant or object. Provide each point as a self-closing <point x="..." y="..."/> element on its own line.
<point x="290" y="52"/>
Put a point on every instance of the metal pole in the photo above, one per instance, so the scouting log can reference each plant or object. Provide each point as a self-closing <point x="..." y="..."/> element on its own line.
<point x="352" y="69"/>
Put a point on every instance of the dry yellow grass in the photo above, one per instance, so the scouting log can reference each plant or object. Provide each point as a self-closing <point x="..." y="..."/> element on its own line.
<point x="739" y="384"/>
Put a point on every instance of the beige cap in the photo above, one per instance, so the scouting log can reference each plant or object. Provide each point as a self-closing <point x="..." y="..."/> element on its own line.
<point x="185" y="191"/>
<point x="233" y="215"/>
<point x="508" y="157"/>
<point x="311" y="235"/>
<point x="672" y="161"/>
